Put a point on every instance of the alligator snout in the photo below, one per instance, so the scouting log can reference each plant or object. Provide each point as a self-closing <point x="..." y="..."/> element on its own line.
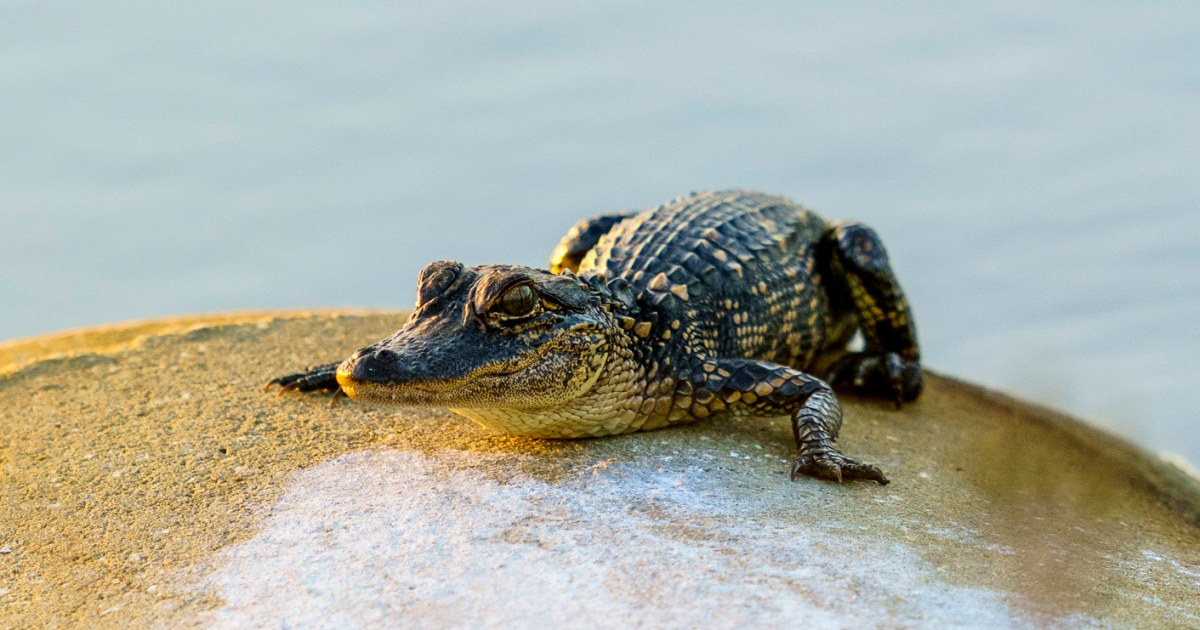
<point x="372" y="365"/>
<point x="399" y="364"/>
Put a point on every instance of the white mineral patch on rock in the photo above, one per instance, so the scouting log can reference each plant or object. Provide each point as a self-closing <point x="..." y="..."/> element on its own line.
<point x="399" y="538"/>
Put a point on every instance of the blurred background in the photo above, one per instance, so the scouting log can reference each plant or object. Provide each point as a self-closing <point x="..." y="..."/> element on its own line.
<point x="1032" y="166"/>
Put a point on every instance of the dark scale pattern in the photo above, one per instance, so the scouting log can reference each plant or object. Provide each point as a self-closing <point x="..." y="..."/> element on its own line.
<point x="731" y="285"/>
<point x="713" y="303"/>
<point x="746" y="262"/>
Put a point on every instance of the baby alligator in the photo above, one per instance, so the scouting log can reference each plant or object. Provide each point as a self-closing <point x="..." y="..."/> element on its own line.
<point x="725" y="302"/>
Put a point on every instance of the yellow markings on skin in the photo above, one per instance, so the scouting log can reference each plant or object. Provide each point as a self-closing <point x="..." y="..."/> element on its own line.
<point x="700" y="411"/>
<point x="723" y="373"/>
<point x="680" y="291"/>
<point x="675" y="324"/>
<point x="666" y="334"/>
<point x="813" y="316"/>
<point x="732" y="396"/>
<point x="642" y="329"/>
<point x="657" y="423"/>
<point x="720" y="255"/>
<point x="659" y="282"/>
<point x="749" y="398"/>
<point x="763" y="389"/>
<point x="626" y="322"/>
<point x="710" y="234"/>
<point x="866" y="305"/>
<point x="709" y="366"/>
<point x="869" y="304"/>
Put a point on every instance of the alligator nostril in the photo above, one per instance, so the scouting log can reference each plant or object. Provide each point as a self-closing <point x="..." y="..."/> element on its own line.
<point x="383" y="354"/>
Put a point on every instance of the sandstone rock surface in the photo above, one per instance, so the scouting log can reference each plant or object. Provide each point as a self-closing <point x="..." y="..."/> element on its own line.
<point x="146" y="479"/>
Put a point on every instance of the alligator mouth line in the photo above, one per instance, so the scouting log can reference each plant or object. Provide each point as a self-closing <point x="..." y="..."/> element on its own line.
<point x="492" y="372"/>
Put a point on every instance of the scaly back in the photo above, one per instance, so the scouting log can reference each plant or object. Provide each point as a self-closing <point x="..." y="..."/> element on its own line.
<point x="746" y="260"/>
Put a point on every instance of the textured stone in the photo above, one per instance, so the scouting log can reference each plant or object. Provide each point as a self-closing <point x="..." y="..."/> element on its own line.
<point x="149" y="480"/>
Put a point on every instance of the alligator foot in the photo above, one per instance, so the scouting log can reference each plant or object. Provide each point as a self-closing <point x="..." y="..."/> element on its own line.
<point x="828" y="463"/>
<point x="888" y="375"/>
<point x="319" y="378"/>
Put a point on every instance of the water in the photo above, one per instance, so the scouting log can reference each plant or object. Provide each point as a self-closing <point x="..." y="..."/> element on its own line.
<point x="1031" y="166"/>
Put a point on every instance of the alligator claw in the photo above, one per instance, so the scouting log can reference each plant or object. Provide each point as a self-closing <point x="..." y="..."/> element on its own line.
<point x="319" y="378"/>
<point x="827" y="463"/>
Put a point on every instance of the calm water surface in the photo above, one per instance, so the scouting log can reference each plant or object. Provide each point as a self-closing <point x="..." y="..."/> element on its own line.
<point x="1032" y="167"/>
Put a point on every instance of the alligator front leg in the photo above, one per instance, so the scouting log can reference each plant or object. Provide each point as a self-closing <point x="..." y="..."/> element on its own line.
<point x="319" y="378"/>
<point x="768" y="389"/>
<point x="890" y="364"/>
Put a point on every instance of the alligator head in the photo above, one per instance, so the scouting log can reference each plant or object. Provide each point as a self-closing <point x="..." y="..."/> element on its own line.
<point x="488" y="337"/>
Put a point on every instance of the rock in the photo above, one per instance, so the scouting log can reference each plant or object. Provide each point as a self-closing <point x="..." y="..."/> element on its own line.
<point x="147" y="479"/>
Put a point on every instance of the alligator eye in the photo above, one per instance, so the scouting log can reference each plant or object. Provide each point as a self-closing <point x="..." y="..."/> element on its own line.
<point x="517" y="301"/>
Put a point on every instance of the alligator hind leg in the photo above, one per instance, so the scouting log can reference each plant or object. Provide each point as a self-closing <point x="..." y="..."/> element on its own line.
<point x="769" y="389"/>
<point x="580" y="240"/>
<point x="890" y="364"/>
